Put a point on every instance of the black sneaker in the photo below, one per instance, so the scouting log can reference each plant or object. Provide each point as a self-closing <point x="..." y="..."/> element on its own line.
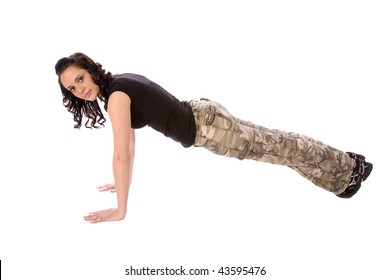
<point x="365" y="168"/>
<point x="360" y="174"/>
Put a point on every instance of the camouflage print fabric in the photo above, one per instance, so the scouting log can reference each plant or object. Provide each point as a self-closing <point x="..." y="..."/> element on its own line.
<point x="224" y="134"/>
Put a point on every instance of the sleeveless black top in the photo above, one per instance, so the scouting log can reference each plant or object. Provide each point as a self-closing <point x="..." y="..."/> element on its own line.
<point x="153" y="106"/>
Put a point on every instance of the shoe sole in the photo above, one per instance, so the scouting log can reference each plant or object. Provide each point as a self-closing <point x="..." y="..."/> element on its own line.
<point x="368" y="171"/>
<point x="349" y="194"/>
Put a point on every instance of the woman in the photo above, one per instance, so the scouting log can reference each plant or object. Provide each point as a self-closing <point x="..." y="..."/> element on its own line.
<point x="132" y="102"/>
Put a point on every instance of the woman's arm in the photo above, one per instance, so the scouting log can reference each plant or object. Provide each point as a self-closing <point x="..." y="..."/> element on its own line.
<point x="123" y="158"/>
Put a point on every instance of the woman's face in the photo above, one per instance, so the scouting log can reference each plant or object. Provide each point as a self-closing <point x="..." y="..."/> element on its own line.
<point x="80" y="83"/>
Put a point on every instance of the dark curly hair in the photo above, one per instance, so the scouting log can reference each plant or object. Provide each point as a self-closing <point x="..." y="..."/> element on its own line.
<point x="79" y="107"/>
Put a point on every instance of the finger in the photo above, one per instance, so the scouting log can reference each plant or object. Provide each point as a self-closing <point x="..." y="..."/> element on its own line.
<point x="96" y="214"/>
<point x="97" y="220"/>
<point x="103" y="187"/>
<point x="106" y="187"/>
<point x="92" y="216"/>
<point x="94" y="219"/>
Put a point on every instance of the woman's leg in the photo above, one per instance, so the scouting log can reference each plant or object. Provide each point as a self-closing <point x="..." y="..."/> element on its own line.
<point x="224" y="134"/>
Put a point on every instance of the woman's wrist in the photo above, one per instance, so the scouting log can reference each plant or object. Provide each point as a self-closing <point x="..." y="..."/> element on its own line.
<point x="122" y="211"/>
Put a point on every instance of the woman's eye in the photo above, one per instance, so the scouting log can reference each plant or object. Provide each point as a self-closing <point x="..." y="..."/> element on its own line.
<point x="80" y="79"/>
<point x="71" y="90"/>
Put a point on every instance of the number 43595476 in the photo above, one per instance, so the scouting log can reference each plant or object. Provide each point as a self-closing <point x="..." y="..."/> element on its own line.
<point x="233" y="270"/>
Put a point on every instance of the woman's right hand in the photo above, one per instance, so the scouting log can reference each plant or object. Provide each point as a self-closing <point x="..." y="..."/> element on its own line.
<point x="107" y="187"/>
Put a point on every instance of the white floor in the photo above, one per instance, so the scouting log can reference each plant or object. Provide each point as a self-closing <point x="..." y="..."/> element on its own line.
<point x="318" y="69"/>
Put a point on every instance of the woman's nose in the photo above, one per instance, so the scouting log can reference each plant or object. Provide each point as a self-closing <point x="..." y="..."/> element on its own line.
<point x="80" y="90"/>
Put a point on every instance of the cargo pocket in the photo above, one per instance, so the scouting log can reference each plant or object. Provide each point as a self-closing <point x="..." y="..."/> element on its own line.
<point x="218" y="117"/>
<point x="210" y="115"/>
<point x="245" y="150"/>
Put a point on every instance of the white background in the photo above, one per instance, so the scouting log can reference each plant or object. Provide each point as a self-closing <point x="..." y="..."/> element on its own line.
<point x="320" y="68"/>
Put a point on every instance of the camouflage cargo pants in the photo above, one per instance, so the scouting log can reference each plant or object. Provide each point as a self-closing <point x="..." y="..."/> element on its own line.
<point x="224" y="134"/>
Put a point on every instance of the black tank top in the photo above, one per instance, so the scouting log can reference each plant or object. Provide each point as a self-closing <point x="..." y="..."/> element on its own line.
<point x="153" y="106"/>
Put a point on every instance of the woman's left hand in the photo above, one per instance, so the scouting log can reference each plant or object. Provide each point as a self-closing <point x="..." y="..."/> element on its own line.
<point x="107" y="187"/>
<point x="108" y="215"/>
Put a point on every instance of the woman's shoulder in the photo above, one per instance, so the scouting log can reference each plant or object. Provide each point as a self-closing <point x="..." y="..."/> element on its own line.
<point x="129" y="83"/>
<point x="130" y="78"/>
